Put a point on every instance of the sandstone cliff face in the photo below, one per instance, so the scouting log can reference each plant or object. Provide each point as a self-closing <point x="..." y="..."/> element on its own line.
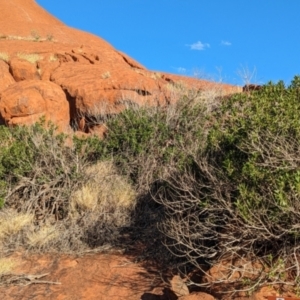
<point x="48" y="69"/>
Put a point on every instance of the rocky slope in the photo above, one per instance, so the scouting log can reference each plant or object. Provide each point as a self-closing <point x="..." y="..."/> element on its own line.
<point x="69" y="76"/>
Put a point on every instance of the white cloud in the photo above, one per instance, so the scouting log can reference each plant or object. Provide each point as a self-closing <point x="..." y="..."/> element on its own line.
<point x="225" y="43"/>
<point x="181" y="70"/>
<point x="199" y="46"/>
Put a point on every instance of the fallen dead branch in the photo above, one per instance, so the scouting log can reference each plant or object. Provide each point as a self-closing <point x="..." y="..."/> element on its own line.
<point x="25" y="279"/>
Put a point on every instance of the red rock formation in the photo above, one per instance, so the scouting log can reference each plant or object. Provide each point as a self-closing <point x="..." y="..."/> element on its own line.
<point x="22" y="69"/>
<point x="94" y="77"/>
<point x="28" y="101"/>
<point x="178" y="286"/>
<point x="5" y="77"/>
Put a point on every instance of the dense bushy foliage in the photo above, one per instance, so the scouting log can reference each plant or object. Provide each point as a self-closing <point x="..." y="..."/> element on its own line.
<point x="143" y="141"/>
<point x="227" y="179"/>
<point x="34" y="163"/>
<point x="54" y="196"/>
<point x="224" y="175"/>
<point x="256" y="145"/>
<point x="241" y="199"/>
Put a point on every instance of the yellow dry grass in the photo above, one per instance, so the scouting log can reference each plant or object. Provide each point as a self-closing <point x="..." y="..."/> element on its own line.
<point x="105" y="188"/>
<point x="6" y="266"/>
<point x="86" y="198"/>
<point x="33" y="37"/>
<point x="53" y="57"/>
<point x="4" y="56"/>
<point x="31" y="57"/>
<point x="43" y="236"/>
<point x="156" y="75"/>
<point x="106" y="75"/>
<point x="12" y="222"/>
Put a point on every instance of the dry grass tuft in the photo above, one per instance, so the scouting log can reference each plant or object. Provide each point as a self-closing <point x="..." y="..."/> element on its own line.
<point x="6" y="266"/>
<point x="4" y="56"/>
<point x="53" y="57"/>
<point x="106" y="75"/>
<point x="34" y="37"/>
<point x="45" y="235"/>
<point x="105" y="188"/>
<point x="86" y="198"/>
<point x="12" y="222"/>
<point x="31" y="57"/>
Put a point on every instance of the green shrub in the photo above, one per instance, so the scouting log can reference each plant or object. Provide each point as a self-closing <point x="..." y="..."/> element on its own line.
<point x="16" y="155"/>
<point x="15" y="158"/>
<point x="143" y="141"/>
<point x="71" y="201"/>
<point x="239" y="198"/>
<point x="34" y="164"/>
<point x="256" y="140"/>
<point x="90" y="148"/>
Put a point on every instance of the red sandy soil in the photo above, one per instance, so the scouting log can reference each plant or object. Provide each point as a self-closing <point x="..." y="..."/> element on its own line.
<point x="92" y="276"/>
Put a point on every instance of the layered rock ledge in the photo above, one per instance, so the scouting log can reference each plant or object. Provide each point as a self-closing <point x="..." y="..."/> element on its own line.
<point x="68" y="76"/>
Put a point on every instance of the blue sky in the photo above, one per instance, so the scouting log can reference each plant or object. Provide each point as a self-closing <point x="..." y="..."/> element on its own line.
<point x="219" y="40"/>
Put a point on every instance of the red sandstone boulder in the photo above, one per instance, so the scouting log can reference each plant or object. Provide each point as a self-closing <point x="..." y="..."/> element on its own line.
<point x="178" y="286"/>
<point x="230" y="271"/>
<point x="28" y="101"/>
<point x="105" y="88"/>
<point x="47" y="66"/>
<point x="5" y="77"/>
<point x="267" y="291"/>
<point x="23" y="69"/>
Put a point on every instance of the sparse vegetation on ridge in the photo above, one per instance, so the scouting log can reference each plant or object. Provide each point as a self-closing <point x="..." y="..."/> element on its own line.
<point x="33" y="37"/>
<point x="4" y="56"/>
<point x="219" y="178"/>
<point x="30" y="57"/>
